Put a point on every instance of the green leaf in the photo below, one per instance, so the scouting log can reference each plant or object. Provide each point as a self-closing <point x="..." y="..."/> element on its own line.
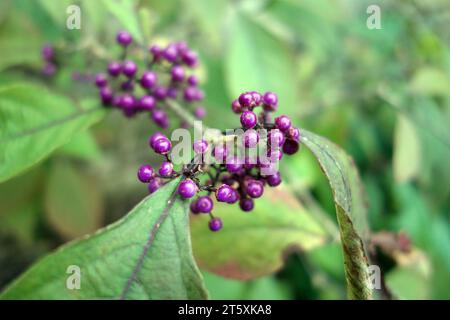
<point x="407" y="151"/>
<point x="351" y="210"/>
<point x="254" y="244"/>
<point x="256" y="60"/>
<point x="83" y="146"/>
<point x="126" y="13"/>
<point x="34" y="122"/>
<point x="73" y="202"/>
<point x="145" y="255"/>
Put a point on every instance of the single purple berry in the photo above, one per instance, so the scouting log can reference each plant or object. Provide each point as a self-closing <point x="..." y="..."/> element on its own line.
<point x="160" y="118"/>
<point x="114" y="68"/>
<point x="270" y="101"/>
<point x="233" y="164"/>
<point x="190" y="58"/>
<point x="170" y="53"/>
<point x="145" y="173"/>
<point x="215" y="224"/>
<point x="199" y="112"/>
<point x="220" y="152"/>
<point x="200" y="146"/>
<point x="148" y="79"/>
<point x="48" y="53"/>
<point x="155" y="137"/>
<point x="283" y="123"/>
<point x="154" y="185"/>
<point x="234" y="197"/>
<point x="187" y="189"/>
<point x="49" y="69"/>
<point x="204" y="204"/>
<point x="190" y="93"/>
<point x="192" y="80"/>
<point x="293" y="133"/>
<point x="126" y="101"/>
<point x="274" y="180"/>
<point x="257" y="98"/>
<point x="124" y="38"/>
<point x="276" y="138"/>
<point x="129" y="69"/>
<point x="106" y="95"/>
<point x="246" y="99"/>
<point x="291" y="147"/>
<point x="181" y="46"/>
<point x="250" y="138"/>
<point x="236" y="106"/>
<point x="224" y="193"/>
<point x="193" y="207"/>
<point x="248" y="119"/>
<point x="162" y="145"/>
<point x="254" y="188"/>
<point x="177" y="73"/>
<point x="166" y="169"/>
<point x="156" y="51"/>
<point x="246" y="204"/>
<point x="172" y="92"/>
<point x="160" y="92"/>
<point x="100" y="80"/>
<point x="147" y="102"/>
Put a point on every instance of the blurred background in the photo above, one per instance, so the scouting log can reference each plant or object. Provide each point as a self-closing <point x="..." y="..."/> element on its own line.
<point x="383" y="95"/>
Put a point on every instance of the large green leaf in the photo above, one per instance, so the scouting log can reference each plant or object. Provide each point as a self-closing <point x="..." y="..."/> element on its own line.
<point x="145" y="255"/>
<point x="34" y="122"/>
<point x="256" y="60"/>
<point x="351" y="210"/>
<point x="255" y="243"/>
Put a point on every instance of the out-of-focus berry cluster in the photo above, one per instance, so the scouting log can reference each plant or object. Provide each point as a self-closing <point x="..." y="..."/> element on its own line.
<point x="49" y="58"/>
<point x="232" y="177"/>
<point x="136" y="86"/>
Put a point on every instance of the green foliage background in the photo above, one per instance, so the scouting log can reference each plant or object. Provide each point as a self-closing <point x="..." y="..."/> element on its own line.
<point x="382" y="95"/>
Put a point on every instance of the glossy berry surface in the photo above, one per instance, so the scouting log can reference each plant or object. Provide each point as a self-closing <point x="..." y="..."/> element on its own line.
<point x="248" y="119"/>
<point x="187" y="189"/>
<point x="215" y="224"/>
<point x="124" y="38"/>
<point x="145" y="173"/>
<point x="166" y="169"/>
<point x="204" y="204"/>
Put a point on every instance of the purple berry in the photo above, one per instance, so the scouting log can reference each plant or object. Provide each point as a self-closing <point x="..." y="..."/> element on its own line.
<point x="156" y="51"/>
<point x="106" y="95"/>
<point x="124" y="38"/>
<point x="49" y="69"/>
<point x="236" y="106"/>
<point x="192" y="80"/>
<point x="126" y="101"/>
<point x="148" y="79"/>
<point x="224" y="193"/>
<point x="162" y="145"/>
<point x="234" y="197"/>
<point x="274" y="180"/>
<point x="160" y="118"/>
<point x="283" y="123"/>
<point x="233" y="165"/>
<point x="193" y="207"/>
<point x="166" y="169"/>
<point x="171" y="53"/>
<point x="254" y="188"/>
<point x="190" y="93"/>
<point x="160" y="92"/>
<point x="248" y="119"/>
<point x="250" y="138"/>
<point x="215" y="224"/>
<point x="100" y="80"/>
<point x="155" y="137"/>
<point x="257" y="98"/>
<point x="291" y="147"/>
<point x="187" y="189"/>
<point x="246" y="204"/>
<point x="154" y="185"/>
<point x="199" y="112"/>
<point x="204" y="204"/>
<point x="270" y="101"/>
<point x="246" y="99"/>
<point x="200" y="146"/>
<point x="48" y="53"/>
<point x="220" y="152"/>
<point x="276" y="138"/>
<point x="293" y="133"/>
<point x="172" y="92"/>
<point x="181" y="46"/>
<point x="145" y="173"/>
<point x="129" y="69"/>
<point x="114" y="68"/>
<point x="190" y="58"/>
<point x="147" y="102"/>
<point x="177" y="73"/>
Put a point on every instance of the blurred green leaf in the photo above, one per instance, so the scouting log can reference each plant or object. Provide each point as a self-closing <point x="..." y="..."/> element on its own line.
<point x="127" y="259"/>
<point x="74" y="204"/>
<point x="430" y="81"/>
<point x="351" y="210"/>
<point x="277" y="226"/>
<point x="34" y="122"/>
<point x="256" y="60"/>
<point x="83" y="146"/>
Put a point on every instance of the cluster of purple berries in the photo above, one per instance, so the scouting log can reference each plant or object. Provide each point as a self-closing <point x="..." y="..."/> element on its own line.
<point x="231" y="178"/>
<point x="165" y="76"/>
<point x="49" y="57"/>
